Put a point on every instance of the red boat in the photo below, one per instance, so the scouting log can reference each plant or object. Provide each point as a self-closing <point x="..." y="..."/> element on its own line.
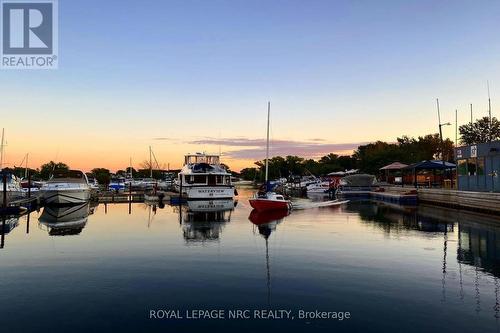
<point x="270" y="201"/>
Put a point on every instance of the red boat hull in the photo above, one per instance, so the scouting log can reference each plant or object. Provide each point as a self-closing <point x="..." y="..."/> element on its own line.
<point x="267" y="205"/>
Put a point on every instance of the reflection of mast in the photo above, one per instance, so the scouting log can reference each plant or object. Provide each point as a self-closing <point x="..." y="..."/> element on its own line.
<point x="478" y="293"/>
<point x="445" y="250"/>
<point x="460" y="263"/>
<point x="2" y="239"/>
<point x="497" y="304"/>
<point x="268" y="274"/>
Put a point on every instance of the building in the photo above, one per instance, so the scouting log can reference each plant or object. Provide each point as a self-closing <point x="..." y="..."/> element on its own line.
<point x="478" y="167"/>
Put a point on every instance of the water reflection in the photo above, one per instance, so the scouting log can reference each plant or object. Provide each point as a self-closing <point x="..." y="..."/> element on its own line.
<point x="203" y="220"/>
<point x="479" y="246"/>
<point x="395" y="218"/>
<point x="266" y="223"/>
<point x="8" y="223"/>
<point x="65" y="220"/>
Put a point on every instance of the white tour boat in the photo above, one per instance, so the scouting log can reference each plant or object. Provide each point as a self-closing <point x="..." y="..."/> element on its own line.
<point x="203" y="177"/>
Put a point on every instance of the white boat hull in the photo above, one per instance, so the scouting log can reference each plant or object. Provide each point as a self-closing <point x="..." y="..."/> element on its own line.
<point x="209" y="192"/>
<point x="66" y="196"/>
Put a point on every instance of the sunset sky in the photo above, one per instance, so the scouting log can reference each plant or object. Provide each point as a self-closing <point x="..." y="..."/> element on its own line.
<point x="187" y="76"/>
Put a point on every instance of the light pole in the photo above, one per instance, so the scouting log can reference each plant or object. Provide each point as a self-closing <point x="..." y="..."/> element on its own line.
<point x="441" y="135"/>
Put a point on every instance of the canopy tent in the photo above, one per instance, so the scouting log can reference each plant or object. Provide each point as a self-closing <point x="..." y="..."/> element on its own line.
<point x="430" y="165"/>
<point x="420" y="172"/>
<point x="394" y="166"/>
<point x="392" y="173"/>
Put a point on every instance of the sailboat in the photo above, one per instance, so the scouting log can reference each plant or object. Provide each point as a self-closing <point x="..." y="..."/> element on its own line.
<point x="13" y="187"/>
<point x="268" y="200"/>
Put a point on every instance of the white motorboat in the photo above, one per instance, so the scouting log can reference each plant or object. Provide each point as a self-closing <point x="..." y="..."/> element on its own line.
<point x="66" y="187"/>
<point x="320" y="187"/>
<point x="203" y="177"/>
<point x="14" y="189"/>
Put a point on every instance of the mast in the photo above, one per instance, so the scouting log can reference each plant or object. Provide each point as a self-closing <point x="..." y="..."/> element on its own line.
<point x="456" y="128"/>
<point x="471" y="113"/>
<point x="131" y="176"/>
<point x="1" y="149"/>
<point x="489" y="108"/>
<point x="150" y="163"/>
<point x="267" y="139"/>
<point x="26" y="169"/>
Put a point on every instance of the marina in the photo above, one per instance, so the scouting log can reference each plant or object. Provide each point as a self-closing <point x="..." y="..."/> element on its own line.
<point x="249" y="166"/>
<point x="99" y="250"/>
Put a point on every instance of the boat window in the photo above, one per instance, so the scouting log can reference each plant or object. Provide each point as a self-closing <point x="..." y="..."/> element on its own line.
<point x="219" y="179"/>
<point x="279" y="197"/>
<point x="199" y="179"/>
<point x="189" y="179"/>
<point x="228" y="180"/>
<point x="462" y="167"/>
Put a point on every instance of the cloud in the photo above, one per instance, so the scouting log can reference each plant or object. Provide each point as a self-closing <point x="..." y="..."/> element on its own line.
<point x="163" y="139"/>
<point x="255" y="148"/>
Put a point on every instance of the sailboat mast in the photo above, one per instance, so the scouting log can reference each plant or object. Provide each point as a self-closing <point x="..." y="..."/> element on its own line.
<point x="150" y="163"/>
<point x="131" y="176"/>
<point x="26" y="169"/>
<point x="489" y="108"/>
<point x="267" y="140"/>
<point x="1" y="149"/>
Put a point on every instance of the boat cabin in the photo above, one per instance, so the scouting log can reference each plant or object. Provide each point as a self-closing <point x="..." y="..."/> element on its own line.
<point x="199" y="158"/>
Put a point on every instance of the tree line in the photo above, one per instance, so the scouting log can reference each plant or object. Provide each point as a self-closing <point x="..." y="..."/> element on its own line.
<point x="367" y="158"/>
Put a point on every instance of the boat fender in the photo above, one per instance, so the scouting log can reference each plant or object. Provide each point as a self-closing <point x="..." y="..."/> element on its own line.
<point x="235" y="192"/>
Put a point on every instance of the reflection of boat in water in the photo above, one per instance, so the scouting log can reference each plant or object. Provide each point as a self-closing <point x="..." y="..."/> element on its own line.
<point x="8" y="223"/>
<point x="204" y="220"/>
<point x="211" y="205"/>
<point x="266" y="217"/>
<point x="62" y="221"/>
<point x="266" y="222"/>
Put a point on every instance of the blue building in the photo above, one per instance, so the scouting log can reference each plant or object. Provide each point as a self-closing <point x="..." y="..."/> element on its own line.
<point x="478" y="167"/>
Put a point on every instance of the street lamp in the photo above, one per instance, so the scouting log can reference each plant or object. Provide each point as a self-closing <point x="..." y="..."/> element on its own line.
<point x="441" y="135"/>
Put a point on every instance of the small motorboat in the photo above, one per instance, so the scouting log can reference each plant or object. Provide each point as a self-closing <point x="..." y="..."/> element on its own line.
<point x="270" y="201"/>
<point x="66" y="187"/>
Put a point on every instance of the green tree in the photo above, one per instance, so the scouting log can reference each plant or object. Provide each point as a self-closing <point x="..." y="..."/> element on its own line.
<point x="102" y="175"/>
<point x="249" y="173"/>
<point x="480" y="131"/>
<point x="47" y="169"/>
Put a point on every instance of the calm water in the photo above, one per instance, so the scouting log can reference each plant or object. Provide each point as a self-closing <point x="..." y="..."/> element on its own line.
<point x="392" y="268"/>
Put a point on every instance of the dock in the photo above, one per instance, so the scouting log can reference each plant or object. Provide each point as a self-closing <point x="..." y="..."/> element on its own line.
<point x="487" y="202"/>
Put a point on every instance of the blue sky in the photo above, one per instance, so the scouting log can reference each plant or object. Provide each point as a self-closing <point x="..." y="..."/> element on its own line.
<point x="341" y="71"/>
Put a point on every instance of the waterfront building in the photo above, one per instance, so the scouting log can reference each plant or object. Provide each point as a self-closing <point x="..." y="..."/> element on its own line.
<point x="478" y="167"/>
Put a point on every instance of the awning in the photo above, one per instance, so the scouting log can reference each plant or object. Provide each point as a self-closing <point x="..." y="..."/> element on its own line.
<point x="394" y="166"/>
<point x="430" y="165"/>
